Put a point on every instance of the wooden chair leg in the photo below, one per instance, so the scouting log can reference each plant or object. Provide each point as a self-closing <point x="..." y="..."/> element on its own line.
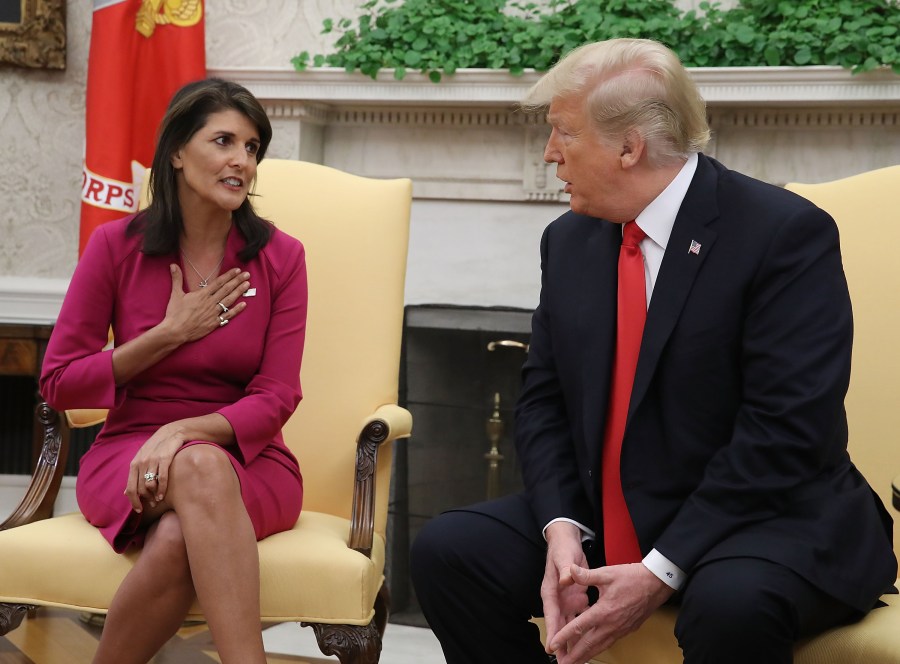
<point x="11" y="616"/>
<point x="352" y="644"/>
<point x="382" y="609"/>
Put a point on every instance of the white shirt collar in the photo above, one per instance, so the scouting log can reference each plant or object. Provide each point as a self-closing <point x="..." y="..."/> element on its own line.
<point x="658" y="218"/>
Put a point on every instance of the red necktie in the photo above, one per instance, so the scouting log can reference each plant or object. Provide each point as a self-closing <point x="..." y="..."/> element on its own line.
<point x="620" y="540"/>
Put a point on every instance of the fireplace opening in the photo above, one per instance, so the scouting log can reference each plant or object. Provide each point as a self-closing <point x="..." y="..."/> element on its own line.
<point x="459" y="377"/>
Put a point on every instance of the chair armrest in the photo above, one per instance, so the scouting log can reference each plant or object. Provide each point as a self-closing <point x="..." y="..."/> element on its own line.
<point x="85" y="417"/>
<point x="895" y="486"/>
<point x="387" y="424"/>
<point x="397" y="419"/>
<point x="41" y="493"/>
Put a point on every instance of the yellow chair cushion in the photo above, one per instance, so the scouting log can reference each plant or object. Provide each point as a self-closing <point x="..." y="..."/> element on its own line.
<point x="873" y="640"/>
<point x="337" y="585"/>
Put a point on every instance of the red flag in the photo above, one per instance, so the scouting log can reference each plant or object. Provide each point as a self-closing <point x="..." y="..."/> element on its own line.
<point x="142" y="51"/>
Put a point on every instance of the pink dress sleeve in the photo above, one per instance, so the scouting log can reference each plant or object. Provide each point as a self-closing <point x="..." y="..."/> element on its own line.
<point x="77" y="372"/>
<point x="274" y="392"/>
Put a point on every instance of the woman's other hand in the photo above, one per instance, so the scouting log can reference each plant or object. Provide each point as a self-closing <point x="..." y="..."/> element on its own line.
<point x="148" y="474"/>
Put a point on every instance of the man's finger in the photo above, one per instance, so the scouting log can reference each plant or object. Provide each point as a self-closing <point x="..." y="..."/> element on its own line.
<point x="587" y="577"/>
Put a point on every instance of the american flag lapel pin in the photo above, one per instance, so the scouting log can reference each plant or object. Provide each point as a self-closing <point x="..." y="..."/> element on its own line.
<point x="694" y="248"/>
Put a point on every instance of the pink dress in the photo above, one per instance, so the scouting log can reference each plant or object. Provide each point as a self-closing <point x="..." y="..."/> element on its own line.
<point x="248" y="371"/>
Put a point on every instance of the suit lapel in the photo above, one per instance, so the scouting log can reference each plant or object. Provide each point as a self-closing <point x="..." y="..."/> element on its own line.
<point x="597" y="331"/>
<point x="679" y="268"/>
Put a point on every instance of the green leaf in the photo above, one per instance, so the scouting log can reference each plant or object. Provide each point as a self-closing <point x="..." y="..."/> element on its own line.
<point x="772" y="56"/>
<point x="803" y="56"/>
<point x="412" y="58"/>
<point x="745" y="34"/>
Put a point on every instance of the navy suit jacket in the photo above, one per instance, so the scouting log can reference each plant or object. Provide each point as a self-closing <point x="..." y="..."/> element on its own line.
<point x="736" y="441"/>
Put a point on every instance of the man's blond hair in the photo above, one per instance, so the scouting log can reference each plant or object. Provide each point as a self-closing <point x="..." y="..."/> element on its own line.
<point x="631" y="85"/>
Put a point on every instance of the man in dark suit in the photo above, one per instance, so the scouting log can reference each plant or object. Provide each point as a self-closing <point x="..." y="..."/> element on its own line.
<point x="740" y="501"/>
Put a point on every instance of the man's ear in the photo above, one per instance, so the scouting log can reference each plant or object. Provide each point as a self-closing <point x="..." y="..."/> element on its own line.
<point x="633" y="147"/>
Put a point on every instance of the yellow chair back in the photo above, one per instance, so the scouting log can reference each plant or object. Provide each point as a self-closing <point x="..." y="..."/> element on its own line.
<point x="866" y="208"/>
<point x="356" y="271"/>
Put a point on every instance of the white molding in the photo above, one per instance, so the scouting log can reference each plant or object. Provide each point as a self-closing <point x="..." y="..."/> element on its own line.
<point x="807" y="117"/>
<point x="490" y="87"/>
<point x="13" y="487"/>
<point x="31" y="300"/>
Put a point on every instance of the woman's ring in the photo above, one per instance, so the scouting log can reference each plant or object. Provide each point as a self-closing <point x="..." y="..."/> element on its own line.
<point x="222" y="321"/>
<point x="224" y="308"/>
<point x="150" y="477"/>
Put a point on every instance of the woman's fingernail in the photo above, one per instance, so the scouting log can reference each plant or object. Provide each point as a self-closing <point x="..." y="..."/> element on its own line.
<point x="159" y="498"/>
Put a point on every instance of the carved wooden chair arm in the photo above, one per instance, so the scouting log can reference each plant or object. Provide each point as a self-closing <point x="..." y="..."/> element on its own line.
<point x="41" y="494"/>
<point x="387" y="424"/>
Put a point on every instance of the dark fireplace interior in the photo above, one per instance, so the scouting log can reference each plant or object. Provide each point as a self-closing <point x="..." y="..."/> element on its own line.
<point x="459" y="378"/>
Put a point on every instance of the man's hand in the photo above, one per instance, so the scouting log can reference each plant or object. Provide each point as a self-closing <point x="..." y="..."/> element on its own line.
<point x="628" y="595"/>
<point x="563" y="599"/>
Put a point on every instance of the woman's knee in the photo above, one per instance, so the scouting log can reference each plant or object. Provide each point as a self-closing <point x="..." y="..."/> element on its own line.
<point x="203" y="470"/>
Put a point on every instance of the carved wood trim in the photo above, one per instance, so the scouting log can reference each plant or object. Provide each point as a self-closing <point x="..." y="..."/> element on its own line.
<point x="41" y="493"/>
<point x="362" y="520"/>
<point x="352" y="644"/>
<point x="806" y="118"/>
<point x="11" y="616"/>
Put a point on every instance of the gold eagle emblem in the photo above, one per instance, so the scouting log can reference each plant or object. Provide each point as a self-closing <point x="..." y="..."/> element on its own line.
<point x="182" y="13"/>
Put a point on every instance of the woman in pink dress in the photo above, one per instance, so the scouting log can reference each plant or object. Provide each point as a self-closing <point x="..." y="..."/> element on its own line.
<point x="207" y="303"/>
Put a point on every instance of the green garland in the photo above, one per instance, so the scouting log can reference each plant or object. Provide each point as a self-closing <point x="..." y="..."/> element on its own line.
<point x="437" y="37"/>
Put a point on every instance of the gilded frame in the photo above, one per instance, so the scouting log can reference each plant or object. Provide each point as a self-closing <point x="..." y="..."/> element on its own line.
<point x="38" y="40"/>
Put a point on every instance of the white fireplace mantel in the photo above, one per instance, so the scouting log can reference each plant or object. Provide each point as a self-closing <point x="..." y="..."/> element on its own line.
<point x="768" y="86"/>
<point x="482" y="192"/>
<point x="464" y="139"/>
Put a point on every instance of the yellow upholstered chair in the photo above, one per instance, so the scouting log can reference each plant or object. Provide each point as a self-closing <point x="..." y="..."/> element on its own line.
<point x="866" y="208"/>
<point x="328" y="571"/>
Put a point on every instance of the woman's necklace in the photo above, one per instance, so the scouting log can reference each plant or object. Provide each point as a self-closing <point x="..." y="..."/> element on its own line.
<point x="204" y="282"/>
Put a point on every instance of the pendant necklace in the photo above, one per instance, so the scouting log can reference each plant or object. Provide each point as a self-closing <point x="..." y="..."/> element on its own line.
<point x="204" y="282"/>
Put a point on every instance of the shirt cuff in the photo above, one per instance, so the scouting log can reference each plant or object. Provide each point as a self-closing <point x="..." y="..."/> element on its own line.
<point x="664" y="569"/>
<point x="586" y="533"/>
